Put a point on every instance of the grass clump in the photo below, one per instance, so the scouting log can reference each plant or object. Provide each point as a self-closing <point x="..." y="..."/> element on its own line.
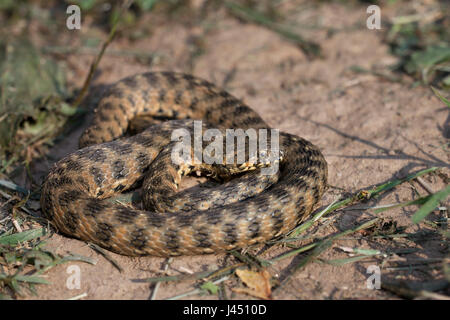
<point x="32" y="104"/>
<point x="421" y="39"/>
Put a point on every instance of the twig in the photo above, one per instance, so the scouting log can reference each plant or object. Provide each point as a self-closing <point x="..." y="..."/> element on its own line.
<point x="78" y="297"/>
<point x="94" y="65"/>
<point x="319" y="247"/>
<point x="433" y="295"/>
<point x="106" y="256"/>
<point x="425" y="290"/>
<point x="424" y="185"/>
<point x="16" y="225"/>
<point x="158" y="284"/>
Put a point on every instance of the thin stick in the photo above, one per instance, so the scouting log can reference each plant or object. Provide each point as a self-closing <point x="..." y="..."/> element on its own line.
<point x="424" y="185"/>
<point x="94" y="65"/>
<point x="106" y="256"/>
<point x="158" y="284"/>
<point x="78" y="297"/>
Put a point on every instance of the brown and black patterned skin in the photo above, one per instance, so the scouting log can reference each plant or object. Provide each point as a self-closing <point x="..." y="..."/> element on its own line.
<point x="75" y="193"/>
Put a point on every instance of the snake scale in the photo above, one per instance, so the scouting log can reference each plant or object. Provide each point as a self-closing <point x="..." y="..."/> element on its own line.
<point x="75" y="194"/>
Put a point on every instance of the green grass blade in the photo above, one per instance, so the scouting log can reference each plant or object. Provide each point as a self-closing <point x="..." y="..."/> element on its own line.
<point x="358" y="197"/>
<point x="341" y="262"/>
<point x="365" y="225"/>
<point x="183" y="277"/>
<point x="210" y="287"/>
<point x="394" y="183"/>
<point x="431" y="204"/>
<point x="22" y="278"/>
<point x="16" y="238"/>
<point x="31" y="279"/>
<point x="421" y="200"/>
<point x="443" y="99"/>
<point x="310" y="222"/>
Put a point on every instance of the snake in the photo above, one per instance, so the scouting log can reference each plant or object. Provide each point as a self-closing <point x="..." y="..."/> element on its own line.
<point x="244" y="210"/>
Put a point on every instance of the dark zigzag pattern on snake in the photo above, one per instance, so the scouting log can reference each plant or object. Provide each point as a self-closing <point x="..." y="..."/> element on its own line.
<point x="75" y="192"/>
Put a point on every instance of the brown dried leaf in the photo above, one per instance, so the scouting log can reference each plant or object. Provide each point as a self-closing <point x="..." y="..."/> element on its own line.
<point x="258" y="283"/>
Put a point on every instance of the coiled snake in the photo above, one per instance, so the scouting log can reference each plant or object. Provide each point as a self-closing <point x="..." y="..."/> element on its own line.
<point x="244" y="211"/>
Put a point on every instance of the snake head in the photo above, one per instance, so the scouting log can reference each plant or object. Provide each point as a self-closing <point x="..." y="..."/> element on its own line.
<point x="266" y="158"/>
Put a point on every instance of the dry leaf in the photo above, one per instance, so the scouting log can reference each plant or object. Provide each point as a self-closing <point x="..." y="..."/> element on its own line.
<point x="258" y="283"/>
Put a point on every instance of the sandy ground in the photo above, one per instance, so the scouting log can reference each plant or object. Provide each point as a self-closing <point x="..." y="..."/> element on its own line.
<point x="370" y="131"/>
